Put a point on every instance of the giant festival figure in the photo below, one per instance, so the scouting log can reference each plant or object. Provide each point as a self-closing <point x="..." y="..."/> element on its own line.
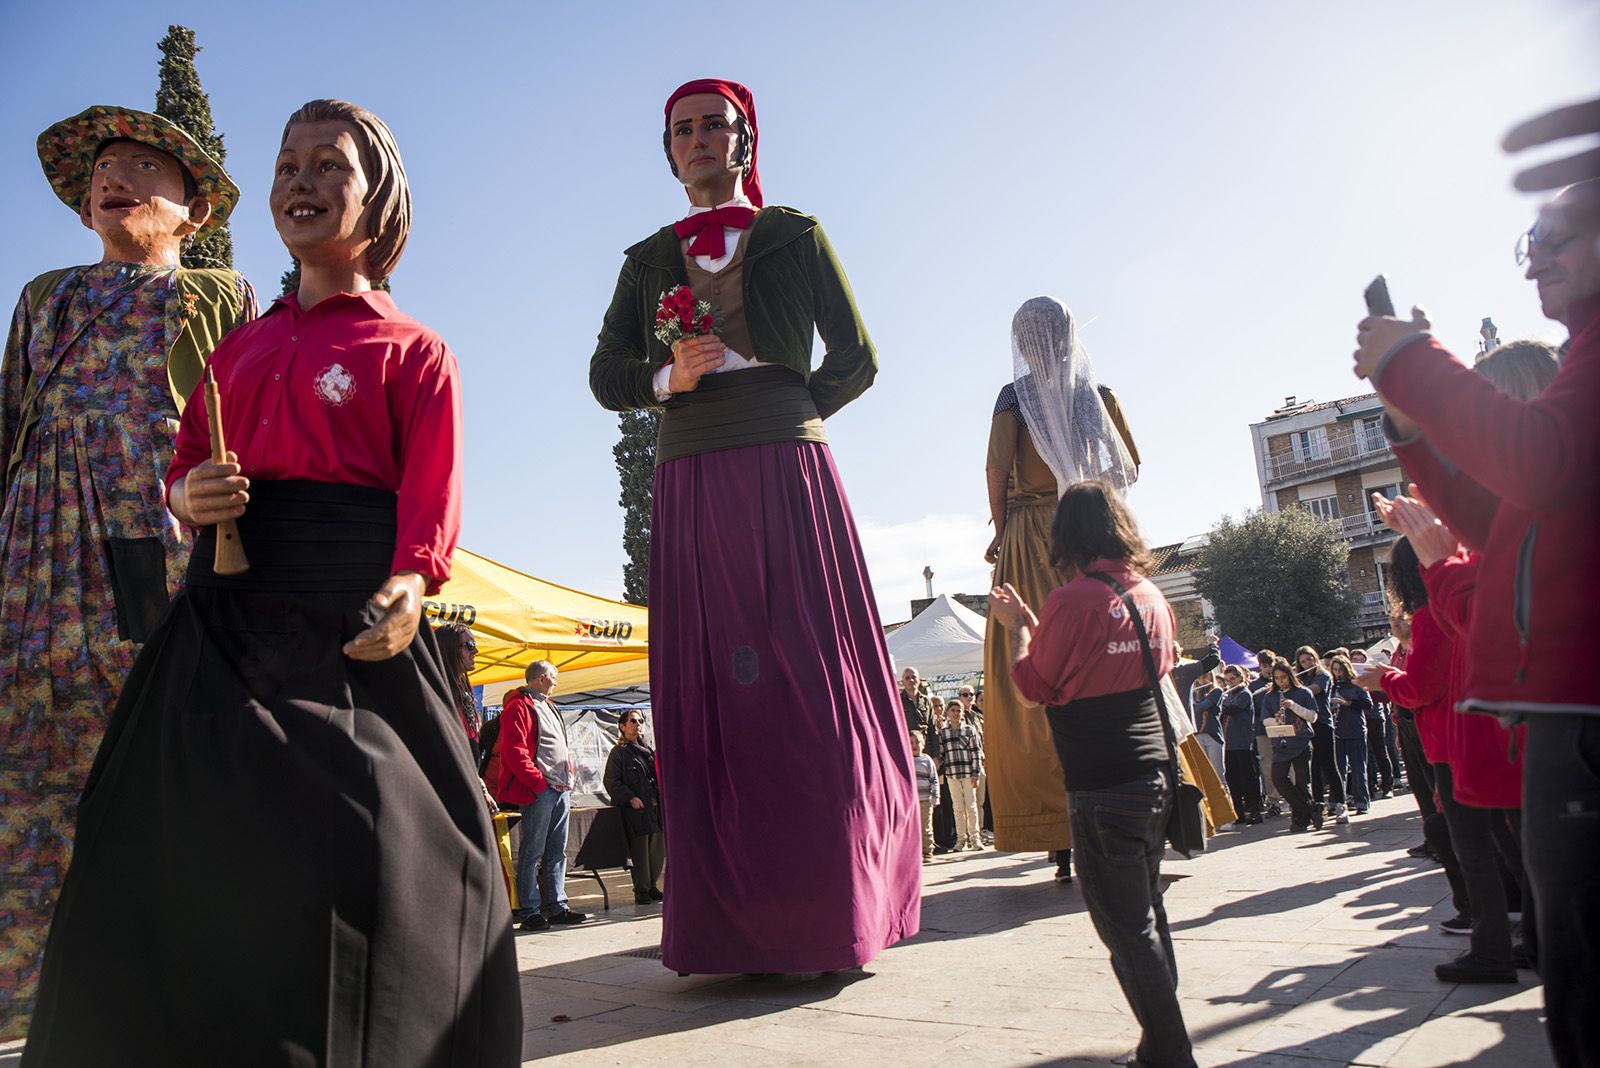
<point x="760" y="604"/>
<point x="1053" y="425"/>
<point x="97" y="366"/>
<point x="283" y="854"/>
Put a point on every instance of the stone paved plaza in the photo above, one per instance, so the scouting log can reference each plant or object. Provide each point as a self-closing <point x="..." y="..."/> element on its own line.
<point x="1295" y="950"/>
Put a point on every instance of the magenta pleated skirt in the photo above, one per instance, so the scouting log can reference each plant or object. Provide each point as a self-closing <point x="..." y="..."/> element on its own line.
<point x="792" y="827"/>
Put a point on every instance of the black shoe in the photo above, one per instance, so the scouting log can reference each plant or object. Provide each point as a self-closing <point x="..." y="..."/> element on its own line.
<point x="656" y="895"/>
<point x="1316" y="820"/>
<point x="566" y="918"/>
<point x="1469" y="968"/>
<point x="1522" y="959"/>
<point x="1298" y="828"/>
<point x="1459" y="924"/>
<point x="1419" y="851"/>
<point x="643" y="899"/>
<point x="535" y="922"/>
<point x="1253" y="819"/>
<point x="1063" y="866"/>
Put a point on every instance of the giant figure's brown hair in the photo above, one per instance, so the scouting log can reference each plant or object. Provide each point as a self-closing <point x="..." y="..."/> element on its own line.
<point x="388" y="193"/>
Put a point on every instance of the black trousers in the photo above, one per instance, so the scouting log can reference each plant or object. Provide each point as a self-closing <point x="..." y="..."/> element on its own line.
<point x="1243" y="768"/>
<point x="1561" y="848"/>
<point x="1380" y="773"/>
<point x="1292" y="777"/>
<point x="1326" y="784"/>
<point x="1472" y="837"/>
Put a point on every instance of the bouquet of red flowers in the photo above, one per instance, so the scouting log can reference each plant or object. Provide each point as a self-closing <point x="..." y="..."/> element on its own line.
<point x="681" y="314"/>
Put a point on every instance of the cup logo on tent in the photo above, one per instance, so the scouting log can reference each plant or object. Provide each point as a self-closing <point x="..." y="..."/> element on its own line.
<point x="441" y="612"/>
<point x="603" y="631"/>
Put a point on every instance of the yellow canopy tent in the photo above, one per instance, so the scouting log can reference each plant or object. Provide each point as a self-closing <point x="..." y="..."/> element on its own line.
<point x="517" y="619"/>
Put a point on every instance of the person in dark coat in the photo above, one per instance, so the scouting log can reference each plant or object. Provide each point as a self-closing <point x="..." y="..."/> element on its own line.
<point x="630" y="780"/>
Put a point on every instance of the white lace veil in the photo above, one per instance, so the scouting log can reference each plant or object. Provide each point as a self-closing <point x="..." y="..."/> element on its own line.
<point x="1060" y="399"/>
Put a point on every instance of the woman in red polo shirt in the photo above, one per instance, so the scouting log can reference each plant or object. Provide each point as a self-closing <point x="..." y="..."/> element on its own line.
<point x="1084" y="658"/>
<point x="283" y="856"/>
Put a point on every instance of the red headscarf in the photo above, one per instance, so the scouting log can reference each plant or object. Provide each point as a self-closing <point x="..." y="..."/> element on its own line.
<point x="744" y="104"/>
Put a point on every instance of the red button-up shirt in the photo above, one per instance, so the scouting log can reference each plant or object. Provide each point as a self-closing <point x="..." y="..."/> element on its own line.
<point x="1086" y="646"/>
<point x="352" y="391"/>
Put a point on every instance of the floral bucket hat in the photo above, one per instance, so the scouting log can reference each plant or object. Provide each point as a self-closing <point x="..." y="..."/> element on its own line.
<point x="67" y="151"/>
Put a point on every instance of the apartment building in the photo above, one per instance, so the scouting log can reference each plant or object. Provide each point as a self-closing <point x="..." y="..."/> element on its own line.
<point x="1329" y="458"/>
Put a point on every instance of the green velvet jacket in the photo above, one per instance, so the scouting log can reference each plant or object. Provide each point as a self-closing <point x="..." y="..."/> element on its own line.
<point x="792" y="284"/>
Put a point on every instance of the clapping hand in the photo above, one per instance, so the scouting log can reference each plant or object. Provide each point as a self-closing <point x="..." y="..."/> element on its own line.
<point x="1007" y="605"/>
<point x="1411" y="516"/>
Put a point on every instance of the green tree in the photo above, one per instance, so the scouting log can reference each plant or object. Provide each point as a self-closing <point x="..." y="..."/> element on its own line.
<point x="180" y="99"/>
<point x="635" y="452"/>
<point x="1278" y="580"/>
<point x="291" y="280"/>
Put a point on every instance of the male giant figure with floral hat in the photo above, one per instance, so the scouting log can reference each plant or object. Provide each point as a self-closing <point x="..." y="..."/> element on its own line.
<point x="97" y="365"/>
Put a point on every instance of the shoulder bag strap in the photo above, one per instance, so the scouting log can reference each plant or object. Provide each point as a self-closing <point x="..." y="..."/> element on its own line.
<point x="1149" y="669"/>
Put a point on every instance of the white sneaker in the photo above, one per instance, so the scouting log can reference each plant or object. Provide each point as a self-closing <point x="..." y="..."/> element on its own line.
<point x="1342" y="816"/>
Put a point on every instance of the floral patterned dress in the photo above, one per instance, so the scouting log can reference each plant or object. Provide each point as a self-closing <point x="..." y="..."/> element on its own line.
<point x="83" y="527"/>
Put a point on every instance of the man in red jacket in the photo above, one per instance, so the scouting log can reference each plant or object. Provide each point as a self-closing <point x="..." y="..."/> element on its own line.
<point x="1520" y="482"/>
<point x="536" y="773"/>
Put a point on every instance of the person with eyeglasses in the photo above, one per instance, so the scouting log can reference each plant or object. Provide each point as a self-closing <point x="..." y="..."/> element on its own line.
<point x="1519" y="481"/>
<point x="630" y="781"/>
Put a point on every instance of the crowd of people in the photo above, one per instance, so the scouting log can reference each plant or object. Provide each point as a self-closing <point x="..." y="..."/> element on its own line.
<point x="278" y="725"/>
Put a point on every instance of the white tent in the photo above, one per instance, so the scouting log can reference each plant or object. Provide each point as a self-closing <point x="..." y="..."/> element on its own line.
<point x="945" y="639"/>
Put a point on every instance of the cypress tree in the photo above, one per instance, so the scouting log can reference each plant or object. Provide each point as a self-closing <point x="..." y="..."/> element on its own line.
<point x="180" y="99"/>
<point x="635" y="454"/>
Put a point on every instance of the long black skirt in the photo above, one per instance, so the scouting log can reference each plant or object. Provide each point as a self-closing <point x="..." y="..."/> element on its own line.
<point x="283" y="857"/>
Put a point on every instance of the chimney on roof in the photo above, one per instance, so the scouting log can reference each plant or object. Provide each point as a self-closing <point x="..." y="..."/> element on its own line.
<point x="1288" y="402"/>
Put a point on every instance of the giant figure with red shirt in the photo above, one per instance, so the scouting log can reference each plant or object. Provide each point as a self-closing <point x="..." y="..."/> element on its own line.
<point x="283" y="856"/>
<point x="1519" y="480"/>
<point x="760" y="604"/>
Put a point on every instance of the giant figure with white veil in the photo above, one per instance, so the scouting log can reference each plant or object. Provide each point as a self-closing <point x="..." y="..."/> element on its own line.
<point x="1053" y="425"/>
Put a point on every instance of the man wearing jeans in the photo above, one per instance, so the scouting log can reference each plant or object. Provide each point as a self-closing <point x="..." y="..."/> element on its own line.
<point x="536" y="773"/>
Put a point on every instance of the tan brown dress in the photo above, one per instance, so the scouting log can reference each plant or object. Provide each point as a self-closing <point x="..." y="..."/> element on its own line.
<point x="1026" y="791"/>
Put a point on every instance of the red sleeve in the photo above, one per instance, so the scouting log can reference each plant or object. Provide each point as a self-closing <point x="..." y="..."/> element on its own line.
<point x="1053" y="651"/>
<point x="428" y="419"/>
<point x="1536" y="454"/>
<point x="1466" y="507"/>
<point x="1426" y="678"/>
<point x="1451" y="583"/>
<point x="516" y="755"/>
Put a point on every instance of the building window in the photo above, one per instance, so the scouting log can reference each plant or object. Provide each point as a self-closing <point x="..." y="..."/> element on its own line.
<point x="1310" y="444"/>
<point x="1369" y="433"/>
<point x="1323" y="507"/>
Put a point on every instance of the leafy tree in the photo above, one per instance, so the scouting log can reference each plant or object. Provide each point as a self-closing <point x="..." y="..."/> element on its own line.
<point x="291" y="280"/>
<point x="180" y="99"/>
<point x="635" y="453"/>
<point x="1278" y="580"/>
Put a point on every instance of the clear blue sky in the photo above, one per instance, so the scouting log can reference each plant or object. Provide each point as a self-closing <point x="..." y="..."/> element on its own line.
<point x="1209" y="187"/>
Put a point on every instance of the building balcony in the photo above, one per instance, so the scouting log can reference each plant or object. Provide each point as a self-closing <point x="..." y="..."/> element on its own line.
<point x="1348" y="454"/>
<point x="1362" y="529"/>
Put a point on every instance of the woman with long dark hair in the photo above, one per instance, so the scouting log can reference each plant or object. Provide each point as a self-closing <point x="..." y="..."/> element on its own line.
<point x="460" y="654"/>
<point x="1349" y="704"/>
<point x="1287" y="703"/>
<point x="1095" y="666"/>
<point x="630" y="780"/>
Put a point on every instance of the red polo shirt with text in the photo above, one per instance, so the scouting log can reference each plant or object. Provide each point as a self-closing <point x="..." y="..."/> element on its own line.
<point x="352" y="391"/>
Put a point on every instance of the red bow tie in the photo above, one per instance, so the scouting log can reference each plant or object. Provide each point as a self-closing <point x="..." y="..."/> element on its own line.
<point x="706" y="229"/>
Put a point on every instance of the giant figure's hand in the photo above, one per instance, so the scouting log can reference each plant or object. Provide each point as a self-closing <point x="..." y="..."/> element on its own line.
<point x="210" y="493"/>
<point x="692" y="359"/>
<point x="401" y="601"/>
